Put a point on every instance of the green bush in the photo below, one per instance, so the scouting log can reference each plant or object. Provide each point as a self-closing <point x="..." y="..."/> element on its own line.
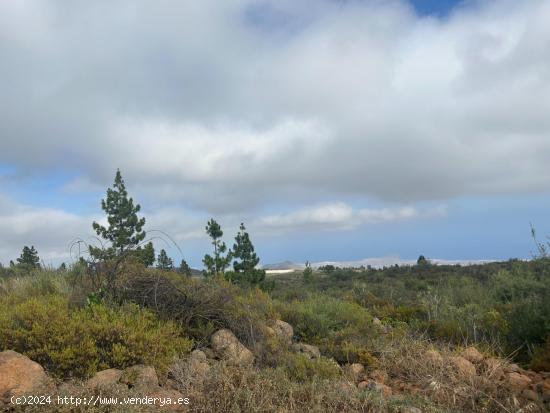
<point x="80" y="342"/>
<point x="342" y="329"/>
<point x="300" y="367"/>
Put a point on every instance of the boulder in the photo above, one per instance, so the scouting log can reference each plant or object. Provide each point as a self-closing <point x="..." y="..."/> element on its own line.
<point x="355" y="371"/>
<point x="493" y="368"/>
<point x="473" y="355"/>
<point x="104" y="379"/>
<point x="512" y="368"/>
<point x="19" y="376"/>
<point x="139" y="377"/>
<point x="517" y="381"/>
<point x="311" y="351"/>
<point x="197" y="365"/>
<point x="379" y="376"/>
<point x="433" y="357"/>
<point x="530" y="395"/>
<point x="227" y="347"/>
<point x="463" y="366"/>
<point x="363" y="385"/>
<point x="379" y="387"/>
<point x="284" y="331"/>
<point x="534" y="376"/>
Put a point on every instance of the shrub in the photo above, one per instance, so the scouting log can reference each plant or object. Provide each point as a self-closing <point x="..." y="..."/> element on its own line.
<point x="203" y="306"/>
<point x="299" y="367"/>
<point x="341" y="329"/>
<point x="541" y="358"/>
<point x="80" y="342"/>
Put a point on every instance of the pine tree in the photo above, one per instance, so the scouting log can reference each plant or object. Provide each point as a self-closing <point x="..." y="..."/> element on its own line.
<point x="164" y="262"/>
<point x="125" y="230"/>
<point x="184" y="269"/>
<point x="246" y="259"/>
<point x="29" y="258"/>
<point x="422" y="261"/>
<point x="218" y="263"/>
<point x="308" y="273"/>
<point x="146" y="254"/>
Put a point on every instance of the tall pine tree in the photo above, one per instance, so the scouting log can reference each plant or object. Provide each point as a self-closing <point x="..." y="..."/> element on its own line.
<point x="29" y="258"/>
<point x="246" y="259"/>
<point x="164" y="262"/>
<point x="125" y="230"/>
<point x="218" y="263"/>
<point x="184" y="269"/>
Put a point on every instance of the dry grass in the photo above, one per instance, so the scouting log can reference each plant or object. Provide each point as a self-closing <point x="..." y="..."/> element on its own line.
<point x="231" y="389"/>
<point x="409" y="368"/>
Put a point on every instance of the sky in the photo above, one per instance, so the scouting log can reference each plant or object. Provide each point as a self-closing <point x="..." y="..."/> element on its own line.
<point x="336" y="130"/>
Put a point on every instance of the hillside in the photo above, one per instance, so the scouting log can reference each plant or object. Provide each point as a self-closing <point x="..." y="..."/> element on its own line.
<point x="402" y="339"/>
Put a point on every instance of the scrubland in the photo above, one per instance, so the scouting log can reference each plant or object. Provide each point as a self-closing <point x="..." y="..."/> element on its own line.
<point x="389" y="322"/>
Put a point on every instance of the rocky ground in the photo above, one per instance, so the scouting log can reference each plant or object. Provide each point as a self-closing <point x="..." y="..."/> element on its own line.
<point x="21" y="376"/>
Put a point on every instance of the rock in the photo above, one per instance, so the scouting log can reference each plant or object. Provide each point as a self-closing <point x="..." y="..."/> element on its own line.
<point x="517" y="382"/>
<point x="104" y="379"/>
<point x="140" y="377"/>
<point x="463" y="366"/>
<point x="534" y="376"/>
<point x="269" y="332"/>
<point x="355" y="371"/>
<point x="283" y="330"/>
<point x="472" y="355"/>
<point x="493" y="368"/>
<point x="209" y="353"/>
<point x="19" y="376"/>
<point x="197" y="355"/>
<point x="376" y="321"/>
<point x="363" y="385"/>
<point x="546" y="384"/>
<point x="379" y="376"/>
<point x="227" y="347"/>
<point x="512" y="368"/>
<point x="197" y="365"/>
<point x="311" y="351"/>
<point x="433" y="357"/>
<point x="530" y="395"/>
<point x="379" y="387"/>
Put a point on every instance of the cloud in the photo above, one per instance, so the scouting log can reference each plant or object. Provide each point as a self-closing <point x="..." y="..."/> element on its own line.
<point x="341" y="216"/>
<point x="49" y="230"/>
<point x="52" y="231"/>
<point x="229" y="106"/>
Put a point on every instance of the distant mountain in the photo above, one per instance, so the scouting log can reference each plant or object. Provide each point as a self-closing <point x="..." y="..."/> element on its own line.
<point x="285" y="265"/>
<point x="373" y="262"/>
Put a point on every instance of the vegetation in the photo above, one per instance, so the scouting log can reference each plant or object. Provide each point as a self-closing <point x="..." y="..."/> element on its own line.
<point x="184" y="269"/>
<point x="216" y="265"/>
<point x="503" y="307"/>
<point x="164" y="262"/>
<point x="29" y="258"/>
<point x="115" y="311"/>
<point x="38" y="317"/>
<point x="125" y="231"/>
<point x="246" y="260"/>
